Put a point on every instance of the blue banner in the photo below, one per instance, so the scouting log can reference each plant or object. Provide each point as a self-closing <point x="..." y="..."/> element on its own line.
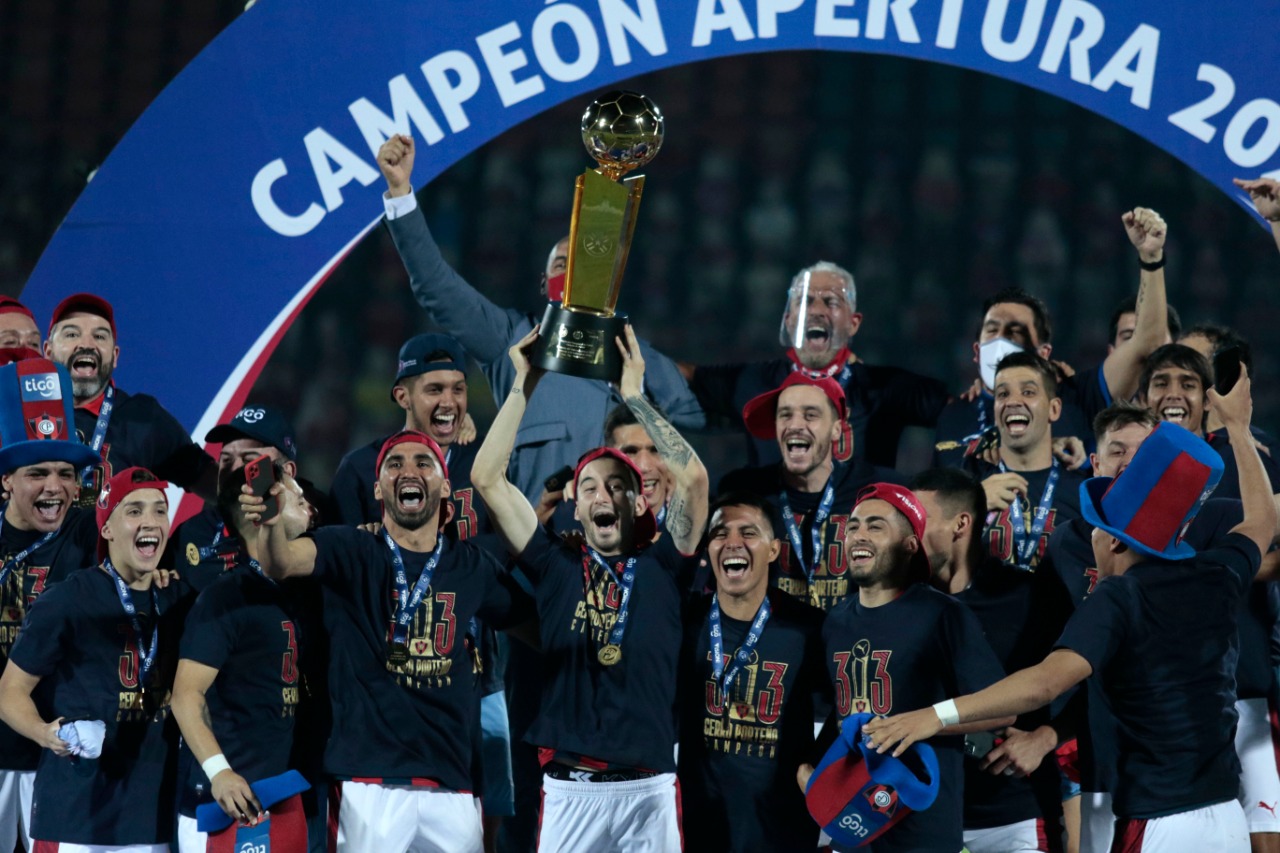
<point x="253" y="174"/>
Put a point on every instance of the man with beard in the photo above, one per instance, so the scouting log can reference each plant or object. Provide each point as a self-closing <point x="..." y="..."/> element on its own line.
<point x="818" y="323"/>
<point x="804" y="417"/>
<point x="900" y="644"/>
<point x="43" y="539"/>
<point x="123" y="429"/>
<point x="238" y="685"/>
<point x="1159" y="632"/>
<point x="431" y="387"/>
<point x="396" y="609"/>
<point x="102" y="646"/>
<point x="751" y="662"/>
<point x="1021" y="614"/>
<point x="17" y="325"/>
<point x="548" y="440"/>
<point x="1029" y="491"/>
<point x="1120" y="430"/>
<point x="609" y="613"/>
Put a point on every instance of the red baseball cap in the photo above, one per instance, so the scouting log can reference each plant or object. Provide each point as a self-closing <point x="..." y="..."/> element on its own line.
<point x="760" y="413"/>
<point x="411" y="436"/>
<point x="646" y="525"/>
<point x="118" y="488"/>
<point x="904" y="501"/>
<point x="9" y="305"/>
<point x="85" y="303"/>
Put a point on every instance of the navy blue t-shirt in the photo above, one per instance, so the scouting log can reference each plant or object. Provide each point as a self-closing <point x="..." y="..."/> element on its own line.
<point x="81" y="644"/>
<point x="1065" y="506"/>
<point x="621" y="715"/>
<point x="831" y="582"/>
<point x="917" y="650"/>
<point x="1229" y="485"/>
<point x="352" y="490"/>
<point x="141" y="432"/>
<point x="738" y="759"/>
<point x="961" y="420"/>
<point x="882" y="400"/>
<point x="1087" y="392"/>
<point x="414" y="721"/>
<point x="73" y="547"/>
<point x="202" y="548"/>
<point x="1162" y="636"/>
<point x="1021" y="614"/>
<point x="244" y="626"/>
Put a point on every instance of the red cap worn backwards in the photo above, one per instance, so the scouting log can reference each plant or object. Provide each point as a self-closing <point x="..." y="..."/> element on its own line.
<point x="118" y="488"/>
<point x="904" y="501"/>
<point x="9" y="305"/>
<point x="83" y="303"/>
<point x="411" y="436"/>
<point x="646" y="525"/>
<point x="760" y="413"/>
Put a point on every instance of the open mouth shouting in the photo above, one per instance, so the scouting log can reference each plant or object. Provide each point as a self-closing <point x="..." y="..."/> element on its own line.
<point x="1174" y="412"/>
<point x="411" y="495"/>
<point x="1017" y="422"/>
<point x="84" y="365"/>
<point x="605" y="521"/>
<point x="444" y="423"/>
<point x="147" y="545"/>
<point x="817" y="335"/>
<point x="796" y="447"/>
<point x="735" y="566"/>
<point x="49" y="510"/>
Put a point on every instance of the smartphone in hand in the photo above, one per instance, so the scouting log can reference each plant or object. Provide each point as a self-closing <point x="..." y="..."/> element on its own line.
<point x="1226" y="369"/>
<point x="259" y="475"/>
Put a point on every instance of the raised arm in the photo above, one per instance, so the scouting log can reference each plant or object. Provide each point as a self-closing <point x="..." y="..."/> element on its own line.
<point x="509" y="510"/>
<point x="482" y="327"/>
<point x="1025" y="690"/>
<point x="19" y="712"/>
<point x="1236" y="412"/>
<point x="229" y="788"/>
<point x="280" y="556"/>
<point x="1123" y="367"/>
<point x="687" y="509"/>
<point x="1265" y="193"/>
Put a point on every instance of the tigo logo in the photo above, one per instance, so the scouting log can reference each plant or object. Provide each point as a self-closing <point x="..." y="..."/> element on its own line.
<point x="41" y="386"/>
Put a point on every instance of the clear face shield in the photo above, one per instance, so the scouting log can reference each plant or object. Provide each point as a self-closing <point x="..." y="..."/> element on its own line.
<point x="797" y="311"/>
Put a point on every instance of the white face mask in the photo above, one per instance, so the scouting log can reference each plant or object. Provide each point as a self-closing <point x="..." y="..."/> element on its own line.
<point x="990" y="354"/>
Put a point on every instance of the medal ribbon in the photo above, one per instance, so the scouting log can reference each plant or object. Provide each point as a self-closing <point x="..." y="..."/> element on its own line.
<point x="625" y="583"/>
<point x="126" y="601"/>
<point x="17" y="558"/>
<point x="407" y="603"/>
<point x="839" y="364"/>
<point x="99" y="433"/>
<point x="815" y="531"/>
<point x="720" y="675"/>
<point x="211" y="549"/>
<point x="1025" y="544"/>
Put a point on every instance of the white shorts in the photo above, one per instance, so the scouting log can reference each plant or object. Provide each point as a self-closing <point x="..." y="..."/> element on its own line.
<point x="191" y="839"/>
<point x="1025" y="836"/>
<point x="1259" y="777"/>
<point x="642" y="816"/>
<point x="398" y="818"/>
<point x="63" y="847"/>
<point x="1097" y="823"/>
<point x="16" y="789"/>
<point x="1220" y="828"/>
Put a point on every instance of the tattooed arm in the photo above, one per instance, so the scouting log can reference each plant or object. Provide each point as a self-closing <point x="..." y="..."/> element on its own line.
<point x="1123" y="367"/>
<point x="687" y="507"/>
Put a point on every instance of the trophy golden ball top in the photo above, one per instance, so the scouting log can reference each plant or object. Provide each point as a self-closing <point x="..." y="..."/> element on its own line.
<point x="622" y="131"/>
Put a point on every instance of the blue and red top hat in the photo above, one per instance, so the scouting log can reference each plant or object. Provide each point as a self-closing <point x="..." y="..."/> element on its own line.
<point x="37" y="419"/>
<point x="856" y="794"/>
<point x="1153" y="501"/>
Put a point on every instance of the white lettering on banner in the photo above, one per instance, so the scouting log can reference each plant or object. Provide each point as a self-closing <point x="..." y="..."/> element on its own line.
<point x="715" y="15"/>
<point x="993" y="26"/>
<point x="565" y="44"/>
<point x="878" y="13"/>
<point x="407" y="112"/>
<point x="1061" y="39"/>
<point x="1140" y="50"/>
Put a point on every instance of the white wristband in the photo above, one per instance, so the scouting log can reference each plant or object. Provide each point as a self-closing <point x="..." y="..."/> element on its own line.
<point x="947" y="713"/>
<point x="215" y="765"/>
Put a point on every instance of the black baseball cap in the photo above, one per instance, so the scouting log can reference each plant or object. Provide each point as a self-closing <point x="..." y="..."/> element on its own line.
<point x="261" y="423"/>
<point x="416" y="351"/>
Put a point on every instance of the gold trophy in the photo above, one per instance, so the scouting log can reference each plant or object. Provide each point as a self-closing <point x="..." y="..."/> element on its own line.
<point x="622" y="131"/>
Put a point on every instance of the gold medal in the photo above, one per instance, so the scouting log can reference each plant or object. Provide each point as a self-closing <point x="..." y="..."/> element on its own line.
<point x="193" y="554"/>
<point x="813" y="597"/>
<point x="397" y="654"/>
<point x="610" y="654"/>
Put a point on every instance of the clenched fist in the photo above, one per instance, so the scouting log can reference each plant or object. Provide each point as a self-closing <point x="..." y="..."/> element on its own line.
<point x="1147" y="232"/>
<point x="395" y="159"/>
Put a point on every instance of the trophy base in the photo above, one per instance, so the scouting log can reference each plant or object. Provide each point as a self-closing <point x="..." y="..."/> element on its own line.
<point x="579" y="344"/>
